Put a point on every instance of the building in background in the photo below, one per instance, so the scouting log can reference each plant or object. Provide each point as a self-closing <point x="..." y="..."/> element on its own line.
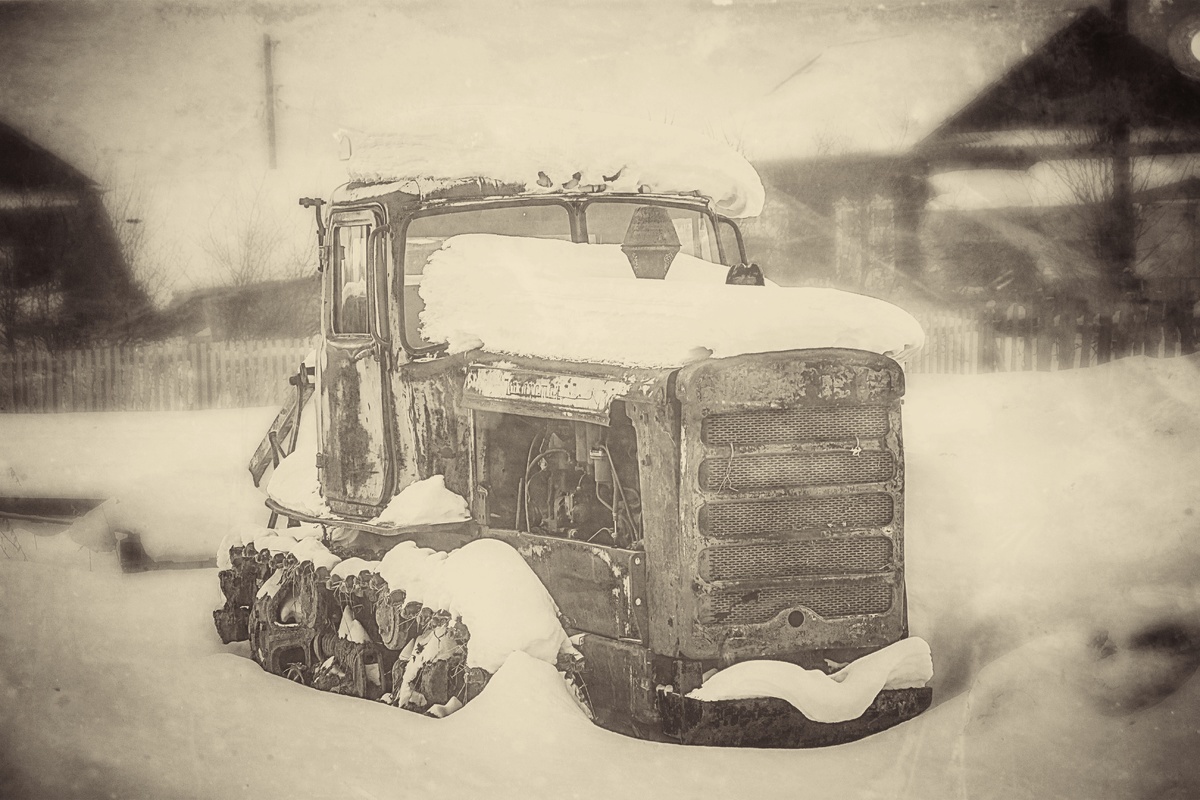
<point x="1092" y="124"/>
<point x="63" y="276"/>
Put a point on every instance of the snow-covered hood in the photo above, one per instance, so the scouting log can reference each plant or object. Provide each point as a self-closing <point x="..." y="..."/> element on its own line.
<point x="580" y="302"/>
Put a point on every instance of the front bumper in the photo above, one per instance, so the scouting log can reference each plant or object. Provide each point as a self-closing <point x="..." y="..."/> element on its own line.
<point x="771" y="722"/>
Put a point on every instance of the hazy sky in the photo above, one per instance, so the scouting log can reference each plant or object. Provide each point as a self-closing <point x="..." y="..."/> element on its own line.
<point x="169" y="99"/>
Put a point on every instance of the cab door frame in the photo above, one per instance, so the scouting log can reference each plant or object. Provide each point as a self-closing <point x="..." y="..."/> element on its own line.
<point x="355" y="450"/>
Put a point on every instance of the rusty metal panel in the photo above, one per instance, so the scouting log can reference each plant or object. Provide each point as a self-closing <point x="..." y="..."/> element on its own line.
<point x="599" y="590"/>
<point x="619" y="677"/>
<point x="791" y="504"/>
<point x="657" y="427"/>
<point x="771" y="722"/>
<point x="432" y="427"/>
<point x="356" y="466"/>
<point x="790" y="378"/>
<point x="510" y="389"/>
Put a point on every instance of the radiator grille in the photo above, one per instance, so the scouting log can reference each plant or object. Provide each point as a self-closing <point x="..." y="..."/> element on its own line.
<point x="831" y="600"/>
<point x="841" y="556"/>
<point x="765" y="517"/>
<point x="749" y="472"/>
<point x="805" y="423"/>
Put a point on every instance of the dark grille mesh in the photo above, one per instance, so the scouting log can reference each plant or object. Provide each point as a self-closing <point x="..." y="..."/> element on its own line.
<point x="764" y="517"/>
<point x="841" y="556"/>
<point x="831" y="600"/>
<point x="769" y="425"/>
<point x="750" y="472"/>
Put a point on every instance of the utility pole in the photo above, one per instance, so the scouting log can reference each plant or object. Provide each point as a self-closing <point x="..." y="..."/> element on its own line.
<point x="269" y="72"/>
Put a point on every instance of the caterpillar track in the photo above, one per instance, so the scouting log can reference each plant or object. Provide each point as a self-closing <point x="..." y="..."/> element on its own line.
<point x="346" y="632"/>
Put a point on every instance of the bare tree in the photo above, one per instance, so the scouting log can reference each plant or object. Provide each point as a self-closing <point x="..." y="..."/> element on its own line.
<point x="155" y="266"/>
<point x="252" y="250"/>
<point x="247" y="244"/>
<point x="1120" y="237"/>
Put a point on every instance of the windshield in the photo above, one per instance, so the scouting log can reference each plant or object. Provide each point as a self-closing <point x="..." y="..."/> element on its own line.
<point x="426" y="235"/>
<point x="608" y="223"/>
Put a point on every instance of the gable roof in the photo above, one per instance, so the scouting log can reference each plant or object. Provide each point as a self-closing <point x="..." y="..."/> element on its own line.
<point x="1091" y="76"/>
<point x="26" y="165"/>
<point x="1091" y="73"/>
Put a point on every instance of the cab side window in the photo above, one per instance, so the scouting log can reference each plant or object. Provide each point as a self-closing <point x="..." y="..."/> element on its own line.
<point x="350" y="304"/>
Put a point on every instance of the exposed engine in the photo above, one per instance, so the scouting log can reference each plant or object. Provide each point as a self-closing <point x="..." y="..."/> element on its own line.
<point x="574" y="480"/>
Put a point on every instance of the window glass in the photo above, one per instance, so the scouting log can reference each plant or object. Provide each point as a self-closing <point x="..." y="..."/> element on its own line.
<point x="427" y="234"/>
<point x="350" y="308"/>
<point x="608" y="223"/>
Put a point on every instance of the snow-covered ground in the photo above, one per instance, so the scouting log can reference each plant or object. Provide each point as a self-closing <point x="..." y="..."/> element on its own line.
<point x="1053" y="561"/>
<point x="160" y="472"/>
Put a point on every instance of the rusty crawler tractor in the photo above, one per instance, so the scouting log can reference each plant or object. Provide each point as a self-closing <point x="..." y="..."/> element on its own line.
<point x="683" y="519"/>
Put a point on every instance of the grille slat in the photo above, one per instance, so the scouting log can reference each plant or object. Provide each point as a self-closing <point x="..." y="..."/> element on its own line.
<point x="841" y="556"/>
<point x="765" y="517"/>
<point x="830" y="601"/>
<point x="800" y="424"/>
<point x="750" y="472"/>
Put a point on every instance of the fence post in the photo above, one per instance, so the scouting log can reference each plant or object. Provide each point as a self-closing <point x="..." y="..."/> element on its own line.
<point x="1041" y="324"/>
<point x="39" y="380"/>
<point x="51" y="383"/>
<point x="1156" y="332"/>
<point x="124" y="382"/>
<point x="987" y="342"/>
<point x="6" y="376"/>
<point x="1104" y="338"/>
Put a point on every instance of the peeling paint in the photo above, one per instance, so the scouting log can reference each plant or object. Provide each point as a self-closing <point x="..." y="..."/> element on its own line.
<point x="505" y="383"/>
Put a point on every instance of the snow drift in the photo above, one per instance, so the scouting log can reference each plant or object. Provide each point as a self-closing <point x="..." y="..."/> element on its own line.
<point x="581" y="302"/>
<point x="842" y="696"/>
<point x="426" y="502"/>
<point x="487" y="584"/>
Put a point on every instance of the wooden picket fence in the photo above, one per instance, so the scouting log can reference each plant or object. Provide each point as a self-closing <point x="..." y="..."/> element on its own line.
<point x="1017" y="338"/>
<point x="164" y="376"/>
<point x="180" y="375"/>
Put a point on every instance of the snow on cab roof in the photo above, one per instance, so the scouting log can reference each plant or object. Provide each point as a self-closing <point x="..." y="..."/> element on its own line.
<point x="581" y="302"/>
<point x="555" y="151"/>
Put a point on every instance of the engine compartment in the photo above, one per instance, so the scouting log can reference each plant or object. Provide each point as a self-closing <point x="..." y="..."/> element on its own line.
<point x="563" y="478"/>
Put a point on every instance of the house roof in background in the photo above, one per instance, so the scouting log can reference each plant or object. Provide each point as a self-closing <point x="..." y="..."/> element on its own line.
<point x="26" y="165"/>
<point x="1091" y="73"/>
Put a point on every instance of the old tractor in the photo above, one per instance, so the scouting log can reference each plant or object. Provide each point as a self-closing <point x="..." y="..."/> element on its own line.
<point x="684" y="517"/>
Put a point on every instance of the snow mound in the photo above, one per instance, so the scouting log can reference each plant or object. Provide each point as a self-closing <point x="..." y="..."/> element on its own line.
<point x="839" y="697"/>
<point x="426" y="502"/>
<point x="485" y="582"/>
<point x="520" y="145"/>
<point x="353" y="566"/>
<point x="178" y="517"/>
<point x="581" y="302"/>
<point x="529" y="698"/>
